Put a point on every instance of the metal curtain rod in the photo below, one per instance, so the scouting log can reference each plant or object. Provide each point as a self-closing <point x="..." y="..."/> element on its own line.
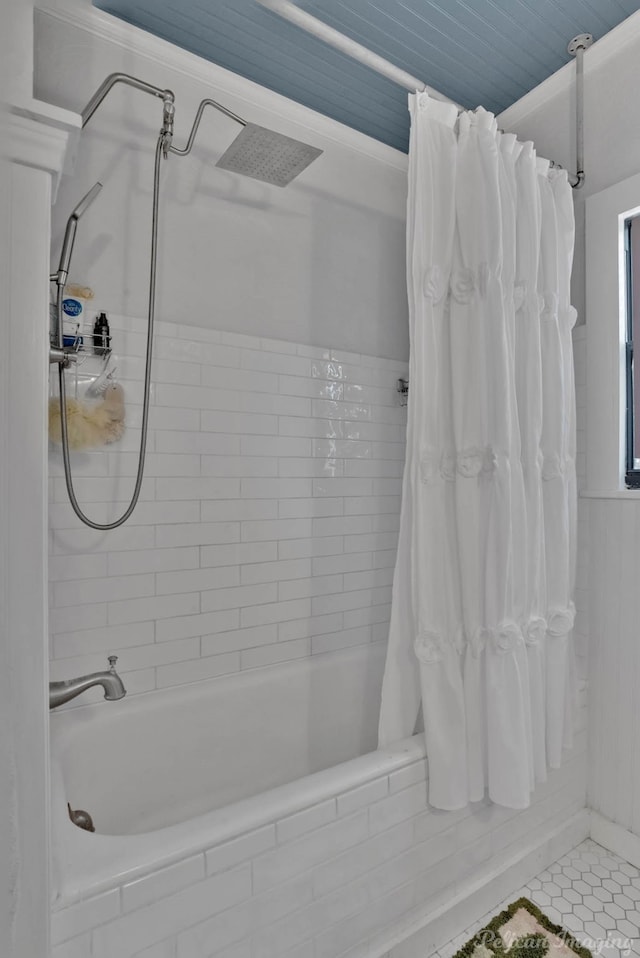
<point x="310" y="24"/>
<point x="317" y="28"/>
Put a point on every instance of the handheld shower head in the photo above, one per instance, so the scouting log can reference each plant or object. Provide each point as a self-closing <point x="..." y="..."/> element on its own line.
<point x="267" y="156"/>
<point x="70" y="233"/>
<point x="86" y="201"/>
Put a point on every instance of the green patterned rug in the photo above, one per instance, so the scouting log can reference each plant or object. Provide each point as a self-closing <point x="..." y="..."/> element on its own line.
<point x="522" y="931"/>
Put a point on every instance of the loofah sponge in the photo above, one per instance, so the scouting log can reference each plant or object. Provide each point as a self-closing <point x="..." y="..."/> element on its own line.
<point x="90" y="424"/>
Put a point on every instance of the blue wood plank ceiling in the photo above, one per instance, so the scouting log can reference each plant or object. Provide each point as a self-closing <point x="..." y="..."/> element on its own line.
<point x="488" y="52"/>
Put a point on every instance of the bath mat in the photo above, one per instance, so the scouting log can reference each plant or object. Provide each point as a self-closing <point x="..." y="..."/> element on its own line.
<point x="523" y="931"/>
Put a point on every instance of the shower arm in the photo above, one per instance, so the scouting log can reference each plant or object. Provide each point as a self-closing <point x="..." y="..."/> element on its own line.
<point x="168" y="112"/>
<point x="196" y="123"/>
<point x="167" y="97"/>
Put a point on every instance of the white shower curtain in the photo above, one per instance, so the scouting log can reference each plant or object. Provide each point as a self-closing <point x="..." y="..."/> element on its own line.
<point x="482" y="614"/>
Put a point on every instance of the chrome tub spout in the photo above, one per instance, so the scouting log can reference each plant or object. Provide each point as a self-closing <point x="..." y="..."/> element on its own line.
<point x="61" y="692"/>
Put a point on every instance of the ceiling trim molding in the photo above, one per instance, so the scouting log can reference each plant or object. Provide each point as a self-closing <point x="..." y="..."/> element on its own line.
<point x="80" y="13"/>
<point x="39" y="137"/>
<point x="561" y="82"/>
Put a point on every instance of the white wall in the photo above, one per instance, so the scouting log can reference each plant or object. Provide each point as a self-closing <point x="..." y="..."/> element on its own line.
<point x="615" y="718"/>
<point x="612" y="154"/>
<point x="25" y="531"/>
<point x="33" y="149"/>
<point x="319" y="262"/>
<point x="8" y="795"/>
<point x="16" y="47"/>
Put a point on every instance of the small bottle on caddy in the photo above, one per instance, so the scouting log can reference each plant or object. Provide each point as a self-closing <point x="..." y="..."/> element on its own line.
<point x="101" y="335"/>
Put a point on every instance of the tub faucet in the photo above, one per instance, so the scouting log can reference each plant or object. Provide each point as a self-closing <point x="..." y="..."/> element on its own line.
<point x="61" y="692"/>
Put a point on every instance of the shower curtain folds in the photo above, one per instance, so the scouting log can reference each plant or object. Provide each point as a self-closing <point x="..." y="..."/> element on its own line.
<point x="482" y="615"/>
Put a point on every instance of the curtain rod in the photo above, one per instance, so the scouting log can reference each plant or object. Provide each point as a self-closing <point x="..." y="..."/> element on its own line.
<point x="317" y="28"/>
<point x="310" y="24"/>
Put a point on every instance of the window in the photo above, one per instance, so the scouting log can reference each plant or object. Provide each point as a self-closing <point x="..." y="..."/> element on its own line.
<point x="607" y="332"/>
<point x="632" y="345"/>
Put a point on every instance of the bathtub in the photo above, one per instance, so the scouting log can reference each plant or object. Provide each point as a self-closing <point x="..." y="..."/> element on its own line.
<point x="169" y="774"/>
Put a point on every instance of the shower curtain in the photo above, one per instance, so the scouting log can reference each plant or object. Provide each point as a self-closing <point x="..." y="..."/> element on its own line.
<point x="482" y="612"/>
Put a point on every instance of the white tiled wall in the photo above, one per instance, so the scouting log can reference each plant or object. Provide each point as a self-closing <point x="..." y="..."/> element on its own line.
<point x="614" y="599"/>
<point x="266" y="529"/>
<point x="268" y="519"/>
<point x="581" y="628"/>
<point x="608" y="615"/>
<point x="607" y="625"/>
<point x="330" y="882"/>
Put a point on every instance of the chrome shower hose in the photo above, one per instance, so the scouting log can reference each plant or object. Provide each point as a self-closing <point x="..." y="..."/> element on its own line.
<point x="104" y="526"/>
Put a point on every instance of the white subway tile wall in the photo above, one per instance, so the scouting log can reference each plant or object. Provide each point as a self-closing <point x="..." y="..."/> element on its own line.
<point x="267" y="525"/>
<point x="260" y="535"/>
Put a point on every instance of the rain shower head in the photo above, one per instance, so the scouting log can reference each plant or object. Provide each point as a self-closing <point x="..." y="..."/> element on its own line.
<point x="256" y="152"/>
<point x="267" y="156"/>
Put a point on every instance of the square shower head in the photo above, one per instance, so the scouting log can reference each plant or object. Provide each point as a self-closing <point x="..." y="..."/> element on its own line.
<point x="267" y="156"/>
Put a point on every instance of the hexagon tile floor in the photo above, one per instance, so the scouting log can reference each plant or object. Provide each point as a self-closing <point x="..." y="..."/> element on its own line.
<point x="592" y="892"/>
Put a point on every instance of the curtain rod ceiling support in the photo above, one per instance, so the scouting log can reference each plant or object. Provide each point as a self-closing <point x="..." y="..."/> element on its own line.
<point x="582" y="42"/>
<point x="577" y="48"/>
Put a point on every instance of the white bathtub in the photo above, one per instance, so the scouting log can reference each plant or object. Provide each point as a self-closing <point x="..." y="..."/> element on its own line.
<point x="171" y="773"/>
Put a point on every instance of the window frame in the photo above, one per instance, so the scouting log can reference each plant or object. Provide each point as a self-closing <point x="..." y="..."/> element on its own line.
<point x="632" y="472"/>
<point x="606" y="213"/>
